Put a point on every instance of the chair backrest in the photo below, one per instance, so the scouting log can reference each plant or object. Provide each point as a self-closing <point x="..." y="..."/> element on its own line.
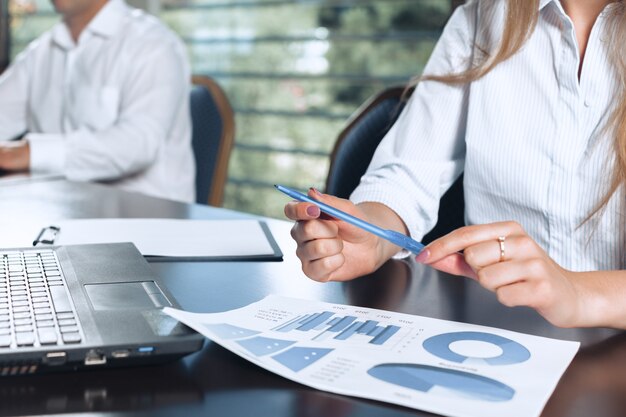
<point x="359" y="139"/>
<point x="213" y="135"/>
<point x="357" y="143"/>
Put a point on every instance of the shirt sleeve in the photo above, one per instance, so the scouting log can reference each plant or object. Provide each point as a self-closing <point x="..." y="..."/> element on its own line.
<point x="14" y="98"/>
<point x="423" y="153"/>
<point x="152" y="95"/>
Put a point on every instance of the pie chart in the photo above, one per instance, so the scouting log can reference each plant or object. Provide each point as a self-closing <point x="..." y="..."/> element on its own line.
<point x="508" y="352"/>
<point x="443" y="381"/>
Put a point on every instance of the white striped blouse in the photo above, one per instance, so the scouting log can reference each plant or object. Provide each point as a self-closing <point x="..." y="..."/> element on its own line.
<point x="528" y="137"/>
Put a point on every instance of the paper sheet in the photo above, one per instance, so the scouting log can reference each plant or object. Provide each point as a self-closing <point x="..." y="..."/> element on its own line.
<point x="450" y="368"/>
<point x="172" y="237"/>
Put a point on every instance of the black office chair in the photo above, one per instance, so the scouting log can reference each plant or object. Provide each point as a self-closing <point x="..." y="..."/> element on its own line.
<point x="355" y="147"/>
<point x="213" y="135"/>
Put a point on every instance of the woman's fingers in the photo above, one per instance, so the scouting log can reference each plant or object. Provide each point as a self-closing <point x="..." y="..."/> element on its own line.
<point x="513" y="247"/>
<point x="330" y="249"/>
<point x="520" y="293"/>
<point x="467" y="236"/>
<point x="454" y="264"/>
<point x="506" y="273"/>
<point x="481" y="254"/>
<point x="323" y="269"/>
<point x="542" y="288"/>
<point x="295" y="210"/>
<point x="537" y="274"/>
<point x="304" y="231"/>
<point x="316" y="249"/>
<point x="505" y="260"/>
<point x="301" y="211"/>
<point x="543" y="297"/>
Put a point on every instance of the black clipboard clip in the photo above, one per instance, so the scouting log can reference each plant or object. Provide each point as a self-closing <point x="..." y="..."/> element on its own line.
<point x="47" y="235"/>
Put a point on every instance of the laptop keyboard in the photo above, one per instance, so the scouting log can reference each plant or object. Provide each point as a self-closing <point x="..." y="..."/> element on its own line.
<point x="35" y="307"/>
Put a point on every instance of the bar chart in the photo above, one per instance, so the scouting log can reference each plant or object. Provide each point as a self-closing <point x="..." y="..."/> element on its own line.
<point x="327" y="325"/>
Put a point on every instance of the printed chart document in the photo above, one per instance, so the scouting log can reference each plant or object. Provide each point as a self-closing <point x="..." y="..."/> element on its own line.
<point x="450" y="368"/>
<point x="172" y="239"/>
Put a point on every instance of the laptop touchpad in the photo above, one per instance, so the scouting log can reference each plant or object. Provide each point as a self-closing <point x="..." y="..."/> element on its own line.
<point x="126" y="296"/>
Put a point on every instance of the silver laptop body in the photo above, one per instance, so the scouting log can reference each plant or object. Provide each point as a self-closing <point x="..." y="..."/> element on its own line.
<point x="84" y="306"/>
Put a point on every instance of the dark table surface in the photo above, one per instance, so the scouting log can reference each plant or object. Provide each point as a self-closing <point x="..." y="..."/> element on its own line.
<point x="215" y="382"/>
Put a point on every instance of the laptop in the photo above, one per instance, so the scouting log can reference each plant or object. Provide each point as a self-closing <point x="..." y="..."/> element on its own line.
<point x="85" y="306"/>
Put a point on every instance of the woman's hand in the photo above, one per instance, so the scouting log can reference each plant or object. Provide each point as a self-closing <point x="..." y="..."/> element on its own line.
<point x="333" y="250"/>
<point x="505" y="260"/>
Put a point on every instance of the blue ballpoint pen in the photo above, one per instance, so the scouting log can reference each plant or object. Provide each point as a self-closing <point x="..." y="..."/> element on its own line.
<point x="391" y="235"/>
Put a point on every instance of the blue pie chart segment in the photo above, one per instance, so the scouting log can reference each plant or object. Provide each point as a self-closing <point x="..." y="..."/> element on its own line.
<point x="423" y="378"/>
<point x="512" y="352"/>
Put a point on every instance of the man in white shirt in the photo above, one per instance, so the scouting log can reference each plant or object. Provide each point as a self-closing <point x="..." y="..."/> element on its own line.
<point x="102" y="96"/>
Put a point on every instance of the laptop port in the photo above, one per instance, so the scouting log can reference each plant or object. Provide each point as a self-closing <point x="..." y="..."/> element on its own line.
<point x="95" y="357"/>
<point x="121" y="353"/>
<point x="55" y="358"/>
<point x="146" y="350"/>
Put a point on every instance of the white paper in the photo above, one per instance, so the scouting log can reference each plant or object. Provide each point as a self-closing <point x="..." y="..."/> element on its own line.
<point x="449" y="368"/>
<point x="171" y="237"/>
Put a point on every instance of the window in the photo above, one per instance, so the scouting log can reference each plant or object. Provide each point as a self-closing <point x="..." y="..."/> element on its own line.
<point x="294" y="71"/>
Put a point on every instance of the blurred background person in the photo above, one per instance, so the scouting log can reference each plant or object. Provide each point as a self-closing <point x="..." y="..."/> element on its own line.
<point x="102" y="96"/>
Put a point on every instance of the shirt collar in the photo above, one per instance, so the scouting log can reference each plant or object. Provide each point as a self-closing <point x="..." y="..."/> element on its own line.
<point x="61" y="36"/>
<point x="544" y="3"/>
<point x="109" y="20"/>
<point x="106" y="23"/>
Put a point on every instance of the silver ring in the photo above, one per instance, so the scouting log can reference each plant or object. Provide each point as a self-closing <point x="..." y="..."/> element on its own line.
<point x="501" y="240"/>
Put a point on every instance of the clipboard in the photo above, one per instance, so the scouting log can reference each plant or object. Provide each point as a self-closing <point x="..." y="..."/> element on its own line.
<point x="175" y="240"/>
<point x="47" y="235"/>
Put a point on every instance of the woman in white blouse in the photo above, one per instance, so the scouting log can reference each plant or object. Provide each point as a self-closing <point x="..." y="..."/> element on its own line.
<point x="528" y="99"/>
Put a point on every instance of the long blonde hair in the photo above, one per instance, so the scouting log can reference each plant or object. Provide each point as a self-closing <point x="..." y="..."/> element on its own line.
<point x="520" y="22"/>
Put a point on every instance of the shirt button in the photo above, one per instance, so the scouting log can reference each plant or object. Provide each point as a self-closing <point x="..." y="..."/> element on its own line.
<point x="588" y="102"/>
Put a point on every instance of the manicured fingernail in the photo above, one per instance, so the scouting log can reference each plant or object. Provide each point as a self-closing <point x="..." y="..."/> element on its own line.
<point x="315" y="191"/>
<point x="313" y="211"/>
<point x="423" y="256"/>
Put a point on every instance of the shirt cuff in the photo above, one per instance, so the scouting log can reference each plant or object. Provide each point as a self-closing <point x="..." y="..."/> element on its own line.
<point x="403" y="254"/>
<point x="382" y="195"/>
<point x="47" y="152"/>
